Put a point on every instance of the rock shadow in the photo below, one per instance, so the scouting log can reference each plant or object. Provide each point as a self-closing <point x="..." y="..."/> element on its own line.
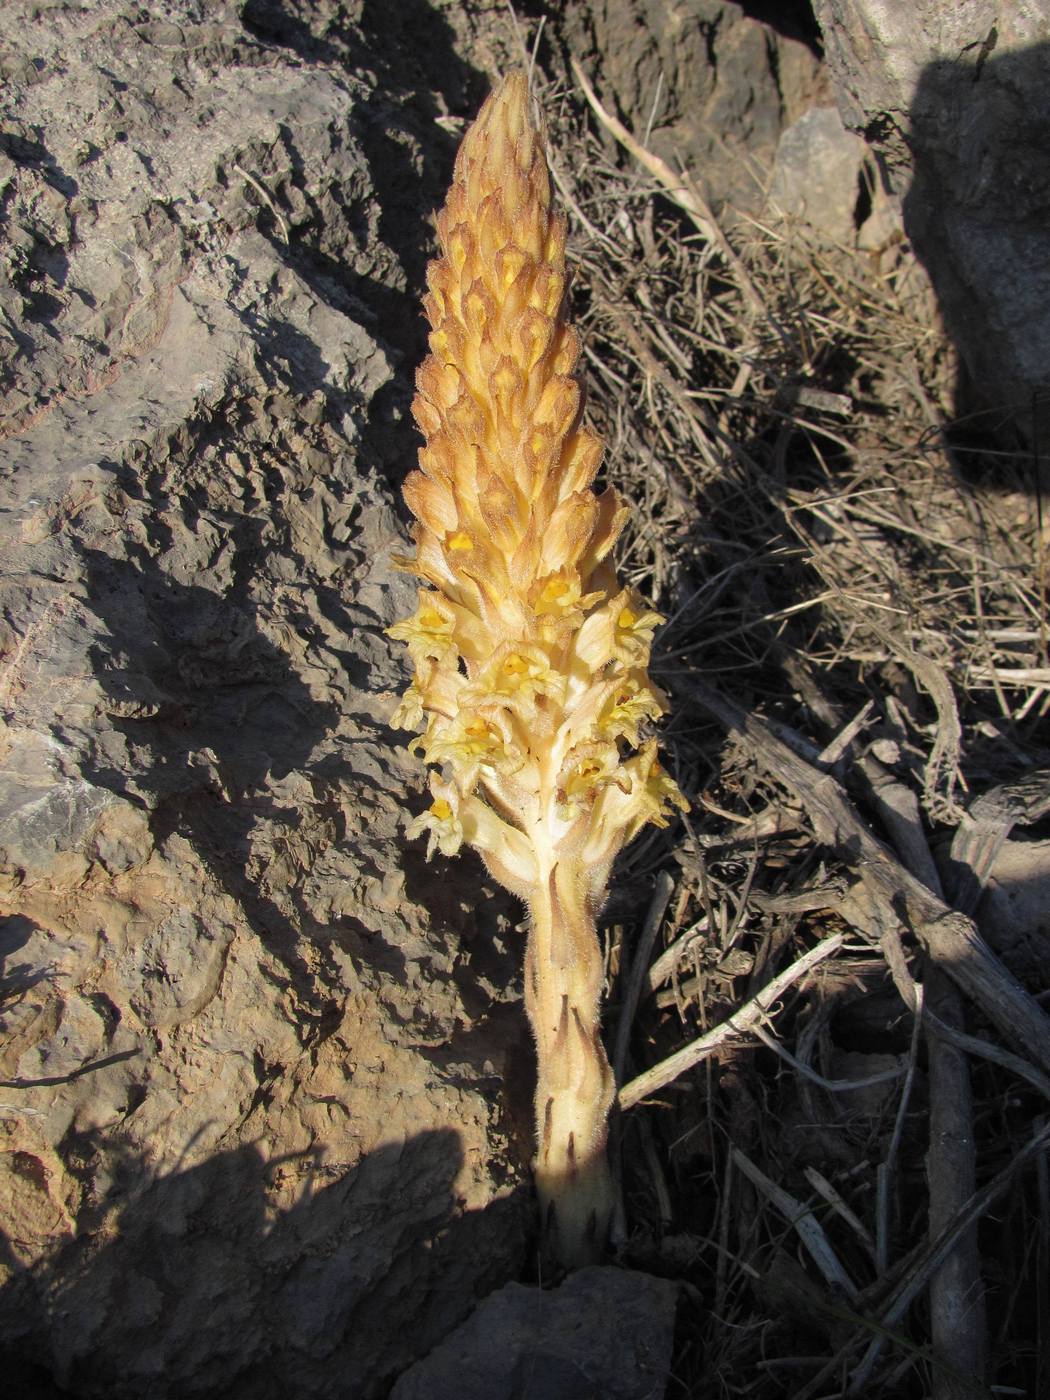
<point x="17" y="978"/>
<point x="978" y="215"/>
<point x="210" y="714"/>
<point x="212" y="729"/>
<point x="406" y="126"/>
<point x="310" y="1299"/>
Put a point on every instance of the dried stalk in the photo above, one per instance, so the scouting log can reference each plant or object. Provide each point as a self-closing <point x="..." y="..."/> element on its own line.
<point x="742" y="1022"/>
<point x="947" y="935"/>
<point x="957" y="1312"/>
<point x="530" y="661"/>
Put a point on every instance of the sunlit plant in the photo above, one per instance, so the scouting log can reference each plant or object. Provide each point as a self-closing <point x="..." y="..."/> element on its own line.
<point x="531" y="690"/>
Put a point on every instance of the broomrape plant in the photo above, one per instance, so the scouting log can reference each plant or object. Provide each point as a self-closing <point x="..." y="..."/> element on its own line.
<point x="530" y="687"/>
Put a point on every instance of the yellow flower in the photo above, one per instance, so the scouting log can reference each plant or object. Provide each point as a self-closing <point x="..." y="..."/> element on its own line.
<point x="659" y="791"/>
<point x="631" y="701"/>
<point x="435" y="691"/>
<point x="452" y="819"/>
<point x="473" y="741"/>
<point x="440" y="821"/>
<point x="517" y="673"/>
<point x="559" y="595"/>
<point x="590" y="767"/>
<point x="409" y="713"/>
<point x="643" y="793"/>
<point x="622" y="630"/>
<point x="428" y="632"/>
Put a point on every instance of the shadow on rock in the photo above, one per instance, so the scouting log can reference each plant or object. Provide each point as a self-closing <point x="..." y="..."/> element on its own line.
<point x="406" y="127"/>
<point x="211" y="716"/>
<point x="301" y="1289"/>
<point x="976" y="212"/>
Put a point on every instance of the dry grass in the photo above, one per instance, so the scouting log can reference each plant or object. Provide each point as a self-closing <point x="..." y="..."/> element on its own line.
<point x="862" y="574"/>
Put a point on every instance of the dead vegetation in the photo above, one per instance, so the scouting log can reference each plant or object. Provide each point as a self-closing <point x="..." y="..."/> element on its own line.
<point x="834" y="1065"/>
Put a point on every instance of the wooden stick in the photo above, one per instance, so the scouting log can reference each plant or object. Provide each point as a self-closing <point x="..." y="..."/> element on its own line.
<point x="958" y="1324"/>
<point x="947" y="935"/>
<point x="805" y="1224"/>
<point x="749" y="1015"/>
<point x="639" y="968"/>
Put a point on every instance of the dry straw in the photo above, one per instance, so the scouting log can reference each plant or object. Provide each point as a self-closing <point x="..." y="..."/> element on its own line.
<point x="531" y="685"/>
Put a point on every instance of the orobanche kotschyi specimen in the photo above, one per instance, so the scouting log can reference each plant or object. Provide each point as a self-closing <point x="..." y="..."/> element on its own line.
<point x="530" y="683"/>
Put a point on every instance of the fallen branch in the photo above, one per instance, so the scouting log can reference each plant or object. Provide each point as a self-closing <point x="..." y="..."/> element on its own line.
<point x="948" y="936"/>
<point x="740" y="1023"/>
<point x="805" y="1224"/>
<point x="957" y="1314"/>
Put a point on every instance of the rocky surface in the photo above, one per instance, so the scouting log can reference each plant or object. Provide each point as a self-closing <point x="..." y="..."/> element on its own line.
<point x="263" y="1113"/>
<point x="710" y="87"/>
<point x="954" y="98"/>
<point x="819" y="175"/>
<point x="253" y="1140"/>
<point x="1014" y="913"/>
<point x="604" y="1334"/>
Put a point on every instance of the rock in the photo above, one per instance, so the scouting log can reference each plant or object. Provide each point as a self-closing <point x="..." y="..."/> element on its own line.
<point x="713" y="87"/>
<point x="253" y="1139"/>
<point x="1014" y="913"/>
<point x="952" y="97"/>
<point x="817" y="174"/>
<point x="604" y="1334"/>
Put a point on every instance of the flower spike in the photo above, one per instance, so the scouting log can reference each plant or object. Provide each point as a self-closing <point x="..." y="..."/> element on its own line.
<point x="530" y="661"/>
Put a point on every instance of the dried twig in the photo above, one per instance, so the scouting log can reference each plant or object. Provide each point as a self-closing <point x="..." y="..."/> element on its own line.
<point x="681" y="189"/>
<point x="740" y="1023"/>
<point x="941" y="1247"/>
<point x="957" y="1315"/>
<point x="803" y="1222"/>
<point x="639" y="969"/>
<point x="946" y="934"/>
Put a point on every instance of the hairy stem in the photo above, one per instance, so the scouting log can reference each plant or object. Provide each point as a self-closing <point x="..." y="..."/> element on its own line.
<point x="574" y="1088"/>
